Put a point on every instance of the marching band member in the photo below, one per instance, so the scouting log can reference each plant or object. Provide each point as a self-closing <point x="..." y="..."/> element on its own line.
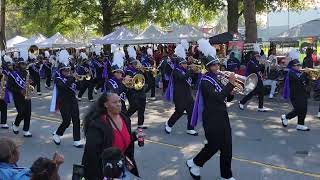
<point x="254" y="66"/>
<point x="19" y="84"/>
<point x="115" y="84"/>
<point x="210" y="107"/>
<point x="179" y="91"/>
<point x="136" y="98"/>
<point x="47" y="65"/>
<point x="97" y="63"/>
<point x="294" y="89"/>
<point x="64" y="99"/>
<point x="6" y="69"/>
<point x="166" y="66"/>
<point x="34" y="70"/>
<point x="150" y="79"/>
<point x="85" y="69"/>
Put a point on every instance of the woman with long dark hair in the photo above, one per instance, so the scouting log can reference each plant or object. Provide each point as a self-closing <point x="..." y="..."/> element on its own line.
<point x="105" y="126"/>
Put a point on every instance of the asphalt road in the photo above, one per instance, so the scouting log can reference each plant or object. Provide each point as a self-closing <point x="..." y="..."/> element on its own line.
<point x="262" y="148"/>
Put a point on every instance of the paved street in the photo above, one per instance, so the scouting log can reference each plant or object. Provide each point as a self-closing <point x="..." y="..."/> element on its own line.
<point x="262" y="148"/>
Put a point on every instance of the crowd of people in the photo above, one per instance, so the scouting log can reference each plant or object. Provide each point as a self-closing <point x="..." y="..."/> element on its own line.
<point x="179" y="70"/>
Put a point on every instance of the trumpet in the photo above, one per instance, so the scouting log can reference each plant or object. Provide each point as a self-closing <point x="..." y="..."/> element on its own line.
<point x="243" y="85"/>
<point x="136" y="83"/>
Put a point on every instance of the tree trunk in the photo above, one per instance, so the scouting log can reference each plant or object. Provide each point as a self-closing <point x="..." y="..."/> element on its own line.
<point x="49" y="24"/>
<point x="106" y="21"/>
<point x="233" y="16"/>
<point x="250" y="20"/>
<point x="2" y="24"/>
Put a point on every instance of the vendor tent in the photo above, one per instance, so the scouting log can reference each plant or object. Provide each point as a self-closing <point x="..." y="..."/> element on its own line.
<point x="310" y="28"/>
<point x="120" y="36"/>
<point x="16" y="40"/>
<point x="187" y="32"/>
<point x="151" y="35"/>
<point x="57" y="41"/>
<point x="34" y="40"/>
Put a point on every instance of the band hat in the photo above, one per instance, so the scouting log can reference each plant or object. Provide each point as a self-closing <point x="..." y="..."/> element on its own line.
<point x="209" y="52"/>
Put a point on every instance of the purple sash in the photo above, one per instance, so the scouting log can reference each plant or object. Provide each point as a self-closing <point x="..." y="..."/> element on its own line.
<point x="198" y="104"/>
<point x="19" y="81"/>
<point x="73" y="86"/>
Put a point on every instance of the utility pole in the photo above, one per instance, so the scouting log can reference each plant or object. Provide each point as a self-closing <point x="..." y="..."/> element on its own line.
<point x="2" y="24"/>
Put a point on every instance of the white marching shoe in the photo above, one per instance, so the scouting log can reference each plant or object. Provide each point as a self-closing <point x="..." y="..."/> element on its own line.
<point x="284" y="120"/>
<point x="192" y="132"/>
<point x="232" y="178"/>
<point x="194" y="170"/>
<point x="4" y="126"/>
<point x="318" y="115"/>
<point x="271" y="96"/>
<point x="56" y="138"/>
<point x="262" y="110"/>
<point x="15" y="129"/>
<point x="167" y="128"/>
<point x="78" y="144"/>
<point x="27" y="134"/>
<point x="95" y="91"/>
<point x="302" y="128"/>
<point x="241" y="106"/>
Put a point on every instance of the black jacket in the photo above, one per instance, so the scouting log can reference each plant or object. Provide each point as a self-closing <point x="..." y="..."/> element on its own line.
<point x="182" y="90"/>
<point x="14" y="88"/>
<point x="215" y="114"/>
<point x="34" y="71"/>
<point x="298" y="86"/>
<point x="99" y="136"/>
<point x="65" y="93"/>
<point x="47" y="68"/>
<point x="254" y="67"/>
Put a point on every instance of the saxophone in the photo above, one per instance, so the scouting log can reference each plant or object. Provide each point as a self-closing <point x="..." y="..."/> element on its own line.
<point x="28" y="87"/>
<point x="3" y="83"/>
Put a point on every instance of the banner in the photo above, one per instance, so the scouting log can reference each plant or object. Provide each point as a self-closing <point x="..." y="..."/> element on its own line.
<point x="237" y="48"/>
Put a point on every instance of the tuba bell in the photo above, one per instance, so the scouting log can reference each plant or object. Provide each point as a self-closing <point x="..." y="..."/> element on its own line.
<point x="313" y="74"/>
<point x="136" y="83"/>
<point x="243" y="85"/>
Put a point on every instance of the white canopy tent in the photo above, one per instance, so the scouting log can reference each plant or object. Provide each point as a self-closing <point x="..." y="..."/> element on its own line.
<point x="120" y="36"/>
<point x="151" y="35"/>
<point x="57" y="41"/>
<point x="34" y="40"/>
<point x="187" y="32"/>
<point x="16" y="40"/>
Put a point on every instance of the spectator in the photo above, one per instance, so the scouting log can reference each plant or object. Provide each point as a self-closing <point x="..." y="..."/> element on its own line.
<point x="308" y="61"/>
<point x="46" y="169"/>
<point x="113" y="164"/>
<point x="105" y="127"/>
<point x="9" y="156"/>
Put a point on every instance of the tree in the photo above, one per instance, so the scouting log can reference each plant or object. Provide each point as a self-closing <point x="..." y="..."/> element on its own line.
<point x="250" y="20"/>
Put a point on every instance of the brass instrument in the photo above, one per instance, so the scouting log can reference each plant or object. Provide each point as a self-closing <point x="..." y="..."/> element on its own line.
<point x="243" y="85"/>
<point x="3" y="83"/>
<point x="137" y="82"/>
<point x="83" y="77"/>
<point x="28" y="87"/>
<point x="313" y="74"/>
